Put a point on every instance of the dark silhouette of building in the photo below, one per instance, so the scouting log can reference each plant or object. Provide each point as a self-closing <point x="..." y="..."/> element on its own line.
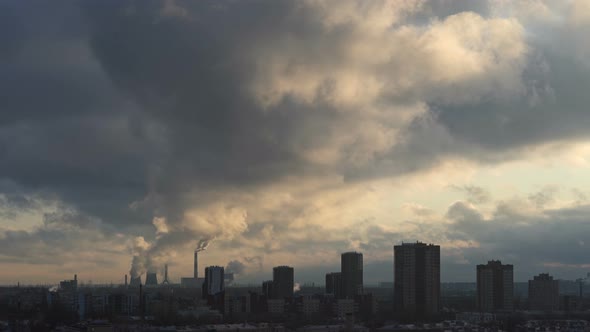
<point x="495" y="287"/>
<point x="268" y="289"/>
<point x="351" y="266"/>
<point x="569" y="303"/>
<point x="214" y="280"/>
<point x="214" y="288"/>
<point x="135" y="281"/>
<point x="283" y="282"/>
<point x="165" y="282"/>
<point x="334" y="284"/>
<point x="69" y="285"/>
<point x="544" y="293"/>
<point x="417" y="279"/>
<point x="68" y="294"/>
<point x="151" y="279"/>
<point x="237" y="306"/>
<point x="196" y="265"/>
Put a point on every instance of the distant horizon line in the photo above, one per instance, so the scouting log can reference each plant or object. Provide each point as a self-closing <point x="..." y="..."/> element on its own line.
<point x="233" y="285"/>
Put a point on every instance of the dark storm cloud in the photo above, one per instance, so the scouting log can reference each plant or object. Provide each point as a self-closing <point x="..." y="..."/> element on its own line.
<point x="214" y="138"/>
<point x="15" y="200"/>
<point x="553" y="107"/>
<point x="125" y="110"/>
<point x="187" y="74"/>
<point x="64" y="131"/>
<point x="543" y="241"/>
<point x="59" y="240"/>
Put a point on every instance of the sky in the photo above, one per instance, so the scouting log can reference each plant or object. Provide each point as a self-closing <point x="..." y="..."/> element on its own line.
<point x="287" y="132"/>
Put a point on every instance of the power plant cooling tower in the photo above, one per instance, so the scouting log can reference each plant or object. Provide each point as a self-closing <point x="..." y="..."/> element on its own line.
<point x="135" y="282"/>
<point x="151" y="279"/>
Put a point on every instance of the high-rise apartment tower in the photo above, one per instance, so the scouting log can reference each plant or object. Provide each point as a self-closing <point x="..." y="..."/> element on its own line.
<point x="283" y="281"/>
<point x="495" y="287"/>
<point x="351" y="269"/>
<point x="417" y="279"/>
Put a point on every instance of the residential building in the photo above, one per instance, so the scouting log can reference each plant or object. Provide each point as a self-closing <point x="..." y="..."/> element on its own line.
<point x="495" y="287"/>
<point x="214" y="280"/>
<point x="351" y="274"/>
<point x="417" y="279"/>
<point x="334" y="284"/>
<point x="544" y="293"/>
<point x="283" y="282"/>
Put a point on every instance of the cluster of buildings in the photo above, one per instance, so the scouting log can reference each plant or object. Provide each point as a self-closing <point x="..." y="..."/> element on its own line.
<point x="413" y="296"/>
<point x="416" y="289"/>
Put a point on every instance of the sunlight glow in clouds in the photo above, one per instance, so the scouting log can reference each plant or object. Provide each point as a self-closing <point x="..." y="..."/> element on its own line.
<point x="286" y="132"/>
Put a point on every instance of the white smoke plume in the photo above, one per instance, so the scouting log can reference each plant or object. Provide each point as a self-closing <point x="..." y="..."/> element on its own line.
<point x="161" y="226"/>
<point x="150" y="257"/>
<point x="196" y="229"/>
<point x="203" y="244"/>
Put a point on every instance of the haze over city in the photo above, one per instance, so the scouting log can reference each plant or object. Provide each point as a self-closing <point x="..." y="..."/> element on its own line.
<point x="288" y="132"/>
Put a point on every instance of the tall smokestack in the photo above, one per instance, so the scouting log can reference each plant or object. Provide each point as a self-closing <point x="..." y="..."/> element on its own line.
<point x="165" y="282"/>
<point x="196" y="266"/>
<point x="141" y="303"/>
<point x="125" y="280"/>
<point x="200" y="247"/>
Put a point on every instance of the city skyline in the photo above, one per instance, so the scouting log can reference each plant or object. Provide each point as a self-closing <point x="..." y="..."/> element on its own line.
<point x="408" y="259"/>
<point x="134" y="134"/>
<point x="415" y="297"/>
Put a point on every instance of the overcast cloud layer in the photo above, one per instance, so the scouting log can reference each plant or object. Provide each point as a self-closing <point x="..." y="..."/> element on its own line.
<point x="286" y="132"/>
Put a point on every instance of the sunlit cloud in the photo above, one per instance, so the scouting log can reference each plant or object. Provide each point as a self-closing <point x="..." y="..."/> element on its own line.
<point x="288" y="132"/>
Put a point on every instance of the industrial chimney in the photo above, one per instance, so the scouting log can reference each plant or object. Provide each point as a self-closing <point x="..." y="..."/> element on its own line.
<point x="196" y="265"/>
<point x="165" y="282"/>
<point x="200" y="247"/>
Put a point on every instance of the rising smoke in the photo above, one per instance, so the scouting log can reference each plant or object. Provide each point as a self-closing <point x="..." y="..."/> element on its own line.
<point x="183" y="229"/>
<point x="158" y="253"/>
<point x="152" y="256"/>
<point x="235" y="267"/>
<point x="203" y="244"/>
<point x="245" y="265"/>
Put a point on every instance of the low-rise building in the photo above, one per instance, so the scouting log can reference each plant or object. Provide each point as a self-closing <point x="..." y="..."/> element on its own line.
<point x="275" y="306"/>
<point x="343" y="308"/>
